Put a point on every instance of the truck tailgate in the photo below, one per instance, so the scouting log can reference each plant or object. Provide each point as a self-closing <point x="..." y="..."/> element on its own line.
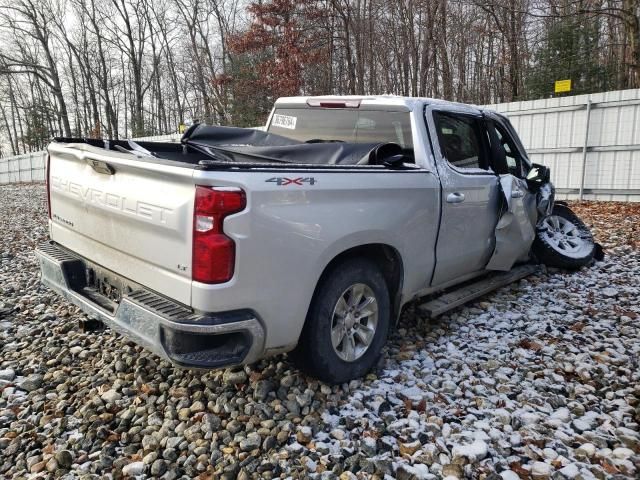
<point x="132" y="216"/>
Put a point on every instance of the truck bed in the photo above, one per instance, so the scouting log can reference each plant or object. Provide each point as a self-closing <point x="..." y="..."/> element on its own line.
<point x="219" y="147"/>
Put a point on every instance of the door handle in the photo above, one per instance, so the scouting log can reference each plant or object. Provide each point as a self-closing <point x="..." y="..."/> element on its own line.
<point x="455" y="197"/>
<point x="517" y="194"/>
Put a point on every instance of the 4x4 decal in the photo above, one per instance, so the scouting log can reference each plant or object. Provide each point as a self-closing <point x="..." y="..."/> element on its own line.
<point x="283" y="181"/>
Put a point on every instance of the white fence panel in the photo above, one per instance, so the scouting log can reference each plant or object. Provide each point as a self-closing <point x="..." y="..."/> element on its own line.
<point x="597" y="133"/>
<point x="29" y="167"/>
<point x="4" y="171"/>
<point x="172" y="137"/>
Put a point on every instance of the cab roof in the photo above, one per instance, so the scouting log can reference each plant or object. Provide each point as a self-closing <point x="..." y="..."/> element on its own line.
<point x="395" y="102"/>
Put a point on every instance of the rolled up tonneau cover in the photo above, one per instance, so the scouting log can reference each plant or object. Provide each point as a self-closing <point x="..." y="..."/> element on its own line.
<point x="246" y="145"/>
<point x="264" y="146"/>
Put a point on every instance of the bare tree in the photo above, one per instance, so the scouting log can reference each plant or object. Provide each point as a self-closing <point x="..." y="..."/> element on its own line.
<point x="134" y="67"/>
<point x="31" y="21"/>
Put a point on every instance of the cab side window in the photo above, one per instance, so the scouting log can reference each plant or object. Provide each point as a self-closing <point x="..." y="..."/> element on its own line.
<point x="461" y="140"/>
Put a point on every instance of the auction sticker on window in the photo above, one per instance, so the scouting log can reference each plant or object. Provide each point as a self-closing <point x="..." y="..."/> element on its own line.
<point x="284" y="121"/>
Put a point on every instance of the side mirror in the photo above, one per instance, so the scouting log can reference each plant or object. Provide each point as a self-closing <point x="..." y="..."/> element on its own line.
<point x="538" y="175"/>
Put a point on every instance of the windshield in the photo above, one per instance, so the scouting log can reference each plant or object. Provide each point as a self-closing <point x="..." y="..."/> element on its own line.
<point x="342" y="124"/>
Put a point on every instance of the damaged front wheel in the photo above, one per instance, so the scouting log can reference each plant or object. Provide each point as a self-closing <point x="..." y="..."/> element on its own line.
<point x="563" y="240"/>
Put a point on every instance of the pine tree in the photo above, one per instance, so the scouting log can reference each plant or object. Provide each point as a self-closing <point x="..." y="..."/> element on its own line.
<point x="37" y="134"/>
<point x="568" y="52"/>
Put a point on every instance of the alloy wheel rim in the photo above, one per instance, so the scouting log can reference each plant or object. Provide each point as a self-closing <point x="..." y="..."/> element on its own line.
<point x="563" y="235"/>
<point x="354" y="322"/>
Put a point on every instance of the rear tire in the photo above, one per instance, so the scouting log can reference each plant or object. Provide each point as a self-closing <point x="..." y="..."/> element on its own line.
<point x="347" y="323"/>
<point x="563" y="240"/>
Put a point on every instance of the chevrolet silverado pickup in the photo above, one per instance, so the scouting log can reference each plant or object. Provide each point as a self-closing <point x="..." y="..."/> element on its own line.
<point x="308" y="237"/>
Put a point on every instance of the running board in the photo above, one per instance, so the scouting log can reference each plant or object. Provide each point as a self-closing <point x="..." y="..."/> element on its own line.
<point x="470" y="291"/>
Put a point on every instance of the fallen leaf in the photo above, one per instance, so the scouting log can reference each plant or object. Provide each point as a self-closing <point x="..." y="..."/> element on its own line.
<point x="577" y="327"/>
<point x="102" y="388"/>
<point x="146" y="388"/>
<point x="530" y="345"/>
<point x="608" y="467"/>
<point x="409" y="448"/>
<point x="197" y="417"/>
<point x="520" y="470"/>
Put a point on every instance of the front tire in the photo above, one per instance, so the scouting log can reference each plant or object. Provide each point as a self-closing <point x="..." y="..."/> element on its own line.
<point x="347" y="323"/>
<point x="563" y="240"/>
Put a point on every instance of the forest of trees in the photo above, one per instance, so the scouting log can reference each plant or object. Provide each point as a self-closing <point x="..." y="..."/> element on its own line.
<point x="131" y="68"/>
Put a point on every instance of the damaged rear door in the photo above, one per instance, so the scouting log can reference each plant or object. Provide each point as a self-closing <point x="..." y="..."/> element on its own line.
<point x="515" y="230"/>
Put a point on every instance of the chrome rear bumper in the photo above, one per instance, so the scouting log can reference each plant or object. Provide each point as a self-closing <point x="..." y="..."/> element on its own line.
<point x="169" y="329"/>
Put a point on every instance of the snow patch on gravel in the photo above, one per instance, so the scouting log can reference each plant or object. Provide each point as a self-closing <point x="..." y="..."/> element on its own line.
<point x="519" y="378"/>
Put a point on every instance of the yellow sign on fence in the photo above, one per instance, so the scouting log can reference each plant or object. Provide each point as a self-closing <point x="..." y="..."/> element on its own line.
<point x="563" y="86"/>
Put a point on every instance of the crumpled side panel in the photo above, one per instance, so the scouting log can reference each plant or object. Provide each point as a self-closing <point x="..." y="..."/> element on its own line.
<point x="545" y="199"/>
<point x="515" y="229"/>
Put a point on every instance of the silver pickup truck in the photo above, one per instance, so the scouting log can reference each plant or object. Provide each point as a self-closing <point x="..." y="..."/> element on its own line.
<point x="306" y="237"/>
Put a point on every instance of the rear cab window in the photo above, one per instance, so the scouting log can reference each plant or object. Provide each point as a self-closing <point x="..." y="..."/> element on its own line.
<point x="343" y="125"/>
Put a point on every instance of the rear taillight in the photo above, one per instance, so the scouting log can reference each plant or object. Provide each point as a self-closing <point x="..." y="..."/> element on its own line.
<point x="213" y="252"/>
<point x="48" y="183"/>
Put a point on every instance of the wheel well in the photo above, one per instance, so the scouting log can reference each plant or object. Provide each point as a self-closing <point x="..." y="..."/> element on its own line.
<point x="387" y="259"/>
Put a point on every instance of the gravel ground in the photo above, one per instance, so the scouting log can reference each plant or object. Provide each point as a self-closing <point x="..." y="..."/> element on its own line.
<point x="538" y="380"/>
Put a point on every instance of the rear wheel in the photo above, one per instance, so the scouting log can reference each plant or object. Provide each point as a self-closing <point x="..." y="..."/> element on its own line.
<point x="347" y="323"/>
<point x="563" y="240"/>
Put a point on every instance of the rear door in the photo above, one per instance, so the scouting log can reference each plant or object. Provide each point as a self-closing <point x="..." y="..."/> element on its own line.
<point x="470" y="193"/>
<point x="126" y="214"/>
